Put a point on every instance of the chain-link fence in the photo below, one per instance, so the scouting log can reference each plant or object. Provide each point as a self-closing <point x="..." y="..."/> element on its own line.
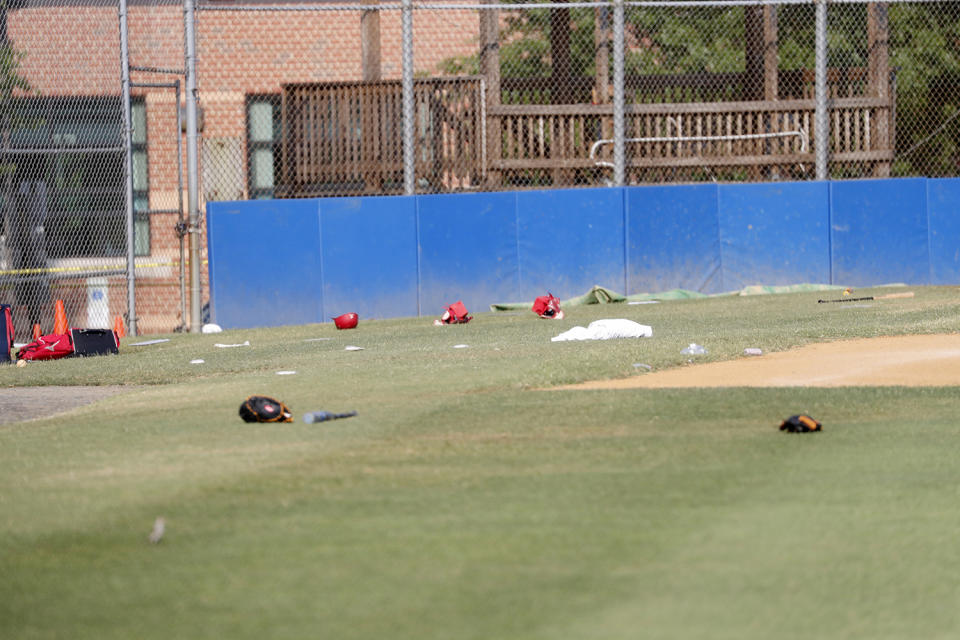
<point x="304" y="100"/>
<point x="62" y="151"/>
<point x="524" y="95"/>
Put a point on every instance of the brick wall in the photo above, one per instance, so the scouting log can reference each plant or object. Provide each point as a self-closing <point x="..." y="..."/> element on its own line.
<point x="75" y="51"/>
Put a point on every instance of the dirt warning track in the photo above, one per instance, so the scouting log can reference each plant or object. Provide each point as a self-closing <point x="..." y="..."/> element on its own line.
<point x="913" y="361"/>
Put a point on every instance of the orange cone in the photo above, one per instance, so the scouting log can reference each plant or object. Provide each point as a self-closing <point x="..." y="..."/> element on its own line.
<point x="36" y="331"/>
<point x="59" y="318"/>
<point x="118" y="327"/>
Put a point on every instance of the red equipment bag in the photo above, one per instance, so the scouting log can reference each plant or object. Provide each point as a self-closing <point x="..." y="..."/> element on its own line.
<point x="456" y="314"/>
<point x="547" y="306"/>
<point x="51" y="347"/>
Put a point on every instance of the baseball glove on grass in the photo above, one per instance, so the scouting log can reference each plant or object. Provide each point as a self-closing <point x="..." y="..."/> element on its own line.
<point x="800" y="423"/>
<point x="264" y="409"/>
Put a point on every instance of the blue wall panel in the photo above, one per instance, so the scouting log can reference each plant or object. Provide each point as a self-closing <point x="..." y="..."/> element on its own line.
<point x="302" y="261"/>
<point x="263" y="262"/>
<point x="672" y="239"/>
<point x="570" y="240"/>
<point x="369" y="257"/>
<point x="879" y="232"/>
<point x="774" y="234"/>
<point x="943" y="209"/>
<point x="468" y="250"/>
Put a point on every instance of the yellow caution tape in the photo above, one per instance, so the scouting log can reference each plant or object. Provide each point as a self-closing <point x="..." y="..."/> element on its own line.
<point x="97" y="267"/>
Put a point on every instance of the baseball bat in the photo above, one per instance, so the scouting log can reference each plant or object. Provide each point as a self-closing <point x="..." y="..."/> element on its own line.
<point x="323" y="416"/>
<point x="886" y="296"/>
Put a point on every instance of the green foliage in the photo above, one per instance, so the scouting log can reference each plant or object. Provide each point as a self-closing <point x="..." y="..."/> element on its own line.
<point x="525" y="51"/>
<point x="924" y="56"/>
<point x="460" y="65"/>
<point x="12" y="85"/>
<point x="925" y="52"/>
<point x="10" y="79"/>
<point x="685" y="40"/>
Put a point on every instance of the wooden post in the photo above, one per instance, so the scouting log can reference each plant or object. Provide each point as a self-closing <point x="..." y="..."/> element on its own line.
<point x="601" y="84"/>
<point x="601" y="43"/>
<point x="370" y="108"/>
<point x="560" y="90"/>
<point x="760" y="81"/>
<point x="760" y="29"/>
<point x="490" y="68"/>
<point x="370" y="43"/>
<point x="878" y="74"/>
<point x="753" y="43"/>
<point x="771" y="53"/>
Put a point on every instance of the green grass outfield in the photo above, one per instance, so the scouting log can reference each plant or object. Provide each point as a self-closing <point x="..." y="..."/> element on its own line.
<point x="462" y="503"/>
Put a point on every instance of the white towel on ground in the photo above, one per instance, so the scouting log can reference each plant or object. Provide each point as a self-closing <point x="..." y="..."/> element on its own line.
<point x="605" y="330"/>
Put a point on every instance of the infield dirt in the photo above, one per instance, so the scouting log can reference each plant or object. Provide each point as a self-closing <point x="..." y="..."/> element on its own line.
<point x="913" y="361"/>
<point x="26" y="403"/>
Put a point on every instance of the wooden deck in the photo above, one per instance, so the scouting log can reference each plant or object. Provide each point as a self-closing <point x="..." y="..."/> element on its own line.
<point x="573" y="144"/>
<point x="346" y="138"/>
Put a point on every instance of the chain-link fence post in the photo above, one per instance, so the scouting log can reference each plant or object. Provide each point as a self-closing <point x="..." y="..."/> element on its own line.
<point x="408" y="110"/>
<point x="619" y="136"/>
<point x="128" y="168"/>
<point x="193" y="199"/>
<point x="822" y="136"/>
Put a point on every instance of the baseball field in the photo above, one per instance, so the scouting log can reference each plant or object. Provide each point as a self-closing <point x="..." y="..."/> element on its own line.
<point x="495" y="484"/>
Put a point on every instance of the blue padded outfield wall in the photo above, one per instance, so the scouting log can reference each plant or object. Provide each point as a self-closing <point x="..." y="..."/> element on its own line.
<point x="300" y="261"/>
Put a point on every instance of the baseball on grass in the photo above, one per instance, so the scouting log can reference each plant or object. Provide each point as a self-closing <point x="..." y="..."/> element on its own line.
<point x="21" y="363"/>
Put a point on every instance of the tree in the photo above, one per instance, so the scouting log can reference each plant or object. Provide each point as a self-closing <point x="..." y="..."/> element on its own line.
<point x="924" y="44"/>
<point x="925" y="51"/>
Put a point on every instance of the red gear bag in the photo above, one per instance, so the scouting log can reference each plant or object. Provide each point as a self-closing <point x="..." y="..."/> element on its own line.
<point x="547" y="306"/>
<point x="50" y="347"/>
<point x="456" y="314"/>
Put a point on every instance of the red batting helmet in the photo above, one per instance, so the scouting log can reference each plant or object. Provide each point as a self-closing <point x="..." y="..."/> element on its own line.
<point x="346" y="321"/>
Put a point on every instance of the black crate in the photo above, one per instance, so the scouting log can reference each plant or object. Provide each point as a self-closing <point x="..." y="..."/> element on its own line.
<point x="93" y="342"/>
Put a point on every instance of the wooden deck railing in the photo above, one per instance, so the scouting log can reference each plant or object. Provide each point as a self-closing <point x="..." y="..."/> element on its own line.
<point x="347" y="139"/>
<point x="556" y="143"/>
<point x="847" y="82"/>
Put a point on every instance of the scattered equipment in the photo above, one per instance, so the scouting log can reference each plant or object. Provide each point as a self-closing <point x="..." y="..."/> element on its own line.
<point x="323" y="416"/>
<point x="800" y="423"/>
<point x="456" y="313"/>
<point x="347" y="321"/>
<point x="264" y="409"/>
<point x="49" y="347"/>
<point x="886" y="296"/>
<point x="548" y="306"/>
<point x="93" y="342"/>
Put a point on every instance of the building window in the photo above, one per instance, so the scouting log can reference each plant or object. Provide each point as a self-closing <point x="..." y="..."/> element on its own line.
<point x="66" y="187"/>
<point x="263" y="145"/>
<point x="141" y="184"/>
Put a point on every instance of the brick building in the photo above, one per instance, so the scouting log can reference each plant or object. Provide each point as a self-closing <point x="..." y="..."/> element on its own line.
<point x="70" y="54"/>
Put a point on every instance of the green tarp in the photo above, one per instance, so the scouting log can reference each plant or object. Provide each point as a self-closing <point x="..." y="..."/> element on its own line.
<point x="602" y="295"/>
